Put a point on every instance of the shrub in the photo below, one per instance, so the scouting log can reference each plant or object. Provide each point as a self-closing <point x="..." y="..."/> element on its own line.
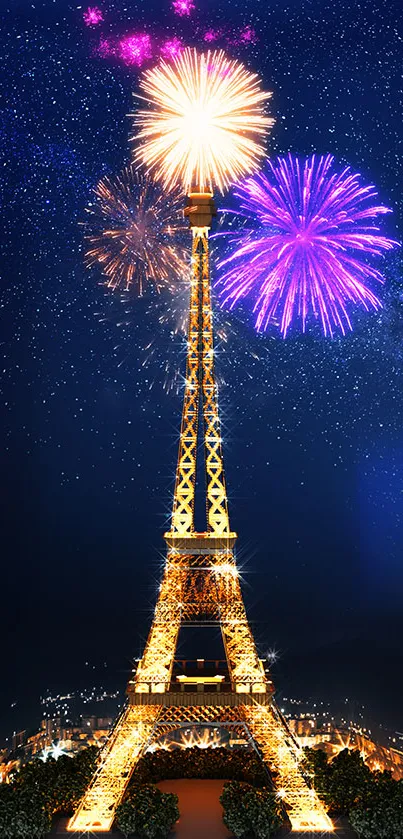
<point x="22" y="814"/>
<point x="343" y="783"/>
<point x="41" y="790"/>
<point x="59" y="784"/>
<point x="195" y="762"/>
<point x="147" y="812"/>
<point x="380" y="816"/>
<point x="249" y="811"/>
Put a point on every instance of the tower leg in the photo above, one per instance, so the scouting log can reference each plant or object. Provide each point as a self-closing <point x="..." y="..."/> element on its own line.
<point x="122" y="751"/>
<point x="305" y="811"/>
<point x="247" y="671"/>
<point x="155" y="668"/>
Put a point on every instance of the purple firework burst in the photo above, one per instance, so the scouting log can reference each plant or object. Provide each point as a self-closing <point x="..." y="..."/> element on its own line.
<point x="305" y="244"/>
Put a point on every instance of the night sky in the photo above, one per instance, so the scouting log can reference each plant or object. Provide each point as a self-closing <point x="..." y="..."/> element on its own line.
<point x="90" y="412"/>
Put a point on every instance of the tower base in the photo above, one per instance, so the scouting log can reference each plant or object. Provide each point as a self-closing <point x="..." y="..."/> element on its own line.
<point x="148" y="716"/>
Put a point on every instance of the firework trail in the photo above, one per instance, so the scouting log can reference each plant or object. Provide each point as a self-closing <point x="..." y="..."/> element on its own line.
<point x="205" y="123"/>
<point x="133" y="233"/>
<point x="305" y="244"/>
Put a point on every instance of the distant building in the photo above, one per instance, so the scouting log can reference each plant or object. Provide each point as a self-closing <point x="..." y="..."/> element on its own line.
<point x="333" y="739"/>
<point x="19" y="739"/>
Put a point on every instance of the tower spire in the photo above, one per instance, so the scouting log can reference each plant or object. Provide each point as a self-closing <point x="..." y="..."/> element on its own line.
<point x="200" y="396"/>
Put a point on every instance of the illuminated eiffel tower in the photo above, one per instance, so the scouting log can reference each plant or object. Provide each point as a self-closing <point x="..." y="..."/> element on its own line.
<point x="200" y="584"/>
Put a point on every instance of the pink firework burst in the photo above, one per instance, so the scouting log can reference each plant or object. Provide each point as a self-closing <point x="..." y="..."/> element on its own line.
<point x="93" y="16"/>
<point x="212" y="35"/>
<point x="135" y="49"/>
<point x="184" y="8"/>
<point x="105" y="49"/>
<point x="248" y="35"/>
<point x="306" y="245"/>
<point x="171" y="48"/>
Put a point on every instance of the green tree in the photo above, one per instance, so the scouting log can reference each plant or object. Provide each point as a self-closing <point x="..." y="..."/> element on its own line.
<point x="249" y="811"/>
<point x="22" y="814"/>
<point x="126" y="817"/>
<point x="380" y="816"/>
<point x="349" y="783"/>
<point x="195" y="762"/>
<point x="59" y="784"/>
<point x="147" y="812"/>
<point x="71" y="779"/>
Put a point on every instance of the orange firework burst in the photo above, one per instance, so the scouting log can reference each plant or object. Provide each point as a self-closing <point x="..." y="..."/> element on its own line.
<point x="205" y="124"/>
<point x="133" y="233"/>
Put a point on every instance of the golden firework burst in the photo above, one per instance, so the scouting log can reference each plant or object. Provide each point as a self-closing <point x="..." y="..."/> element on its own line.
<point x="133" y="232"/>
<point x="205" y="122"/>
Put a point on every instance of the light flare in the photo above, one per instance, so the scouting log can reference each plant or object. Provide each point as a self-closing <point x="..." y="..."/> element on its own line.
<point x="203" y="738"/>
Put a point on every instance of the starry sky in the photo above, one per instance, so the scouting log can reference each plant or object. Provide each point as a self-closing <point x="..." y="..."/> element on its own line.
<point x="89" y="387"/>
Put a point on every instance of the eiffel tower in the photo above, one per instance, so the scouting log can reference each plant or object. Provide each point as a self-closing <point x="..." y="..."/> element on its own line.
<point x="200" y="584"/>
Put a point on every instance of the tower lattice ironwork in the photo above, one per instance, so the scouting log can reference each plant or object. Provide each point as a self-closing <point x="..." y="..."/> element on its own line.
<point x="200" y="583"/>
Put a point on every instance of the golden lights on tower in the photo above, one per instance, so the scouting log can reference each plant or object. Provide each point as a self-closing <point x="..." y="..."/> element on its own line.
<point x="203" y="127"/>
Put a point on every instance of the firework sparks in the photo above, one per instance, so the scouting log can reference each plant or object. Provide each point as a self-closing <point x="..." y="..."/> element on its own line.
<point x="205" y="124"/>
<point x="93" y="16"/>
<point x="232" y="37"/>
<point x="133" y="231"/>
<point x="104" y="49"/>
<point x="212" y="35"/>
<point x="135" y="49"/>
<point x="171" y="48"/>
<point x="304" y="247"/>
<point x="248" y="35"/>
<point x="183" y="8"/>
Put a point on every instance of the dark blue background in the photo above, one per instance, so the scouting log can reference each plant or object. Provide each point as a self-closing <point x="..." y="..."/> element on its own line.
<point x="313" y="428"/>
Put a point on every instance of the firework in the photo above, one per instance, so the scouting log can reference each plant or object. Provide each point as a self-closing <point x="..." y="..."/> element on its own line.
<point x="205" y="124"/>
<point x="305" y="244"/>
<point x="184" y="8"/>
<point x="133" y="233"/>
<point x="135" y="49"/>
<point x="212" y="35"/>
<point x="248" y="35"/>
<point x="171" y="48"/>
<point x="93" y="16"/>
<point x="232" y="37"/>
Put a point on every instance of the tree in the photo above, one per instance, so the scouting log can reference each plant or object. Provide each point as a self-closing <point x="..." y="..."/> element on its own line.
<point x="22" y="814"/>
<point x="58" y="783"/>
<point x="349" y="782"/>
<point x="195" y="762"/>
<point x="250" y="811"/>
<point x="380" y="816"/>
<point x="148" y="812"/>
<point x="126" y="817"/>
